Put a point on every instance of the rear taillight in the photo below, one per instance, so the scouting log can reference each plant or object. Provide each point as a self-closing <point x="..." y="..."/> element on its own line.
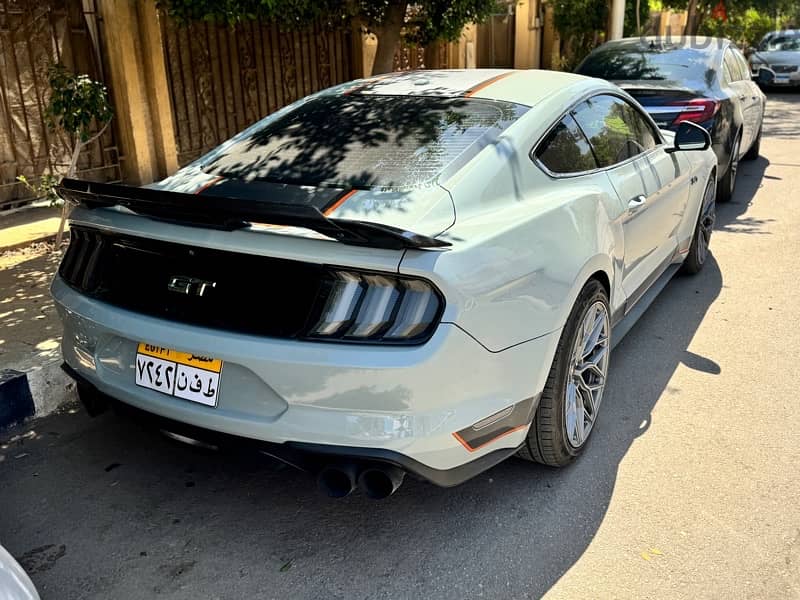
<point x="698" y="110"/>
<point x="372" y="307"/>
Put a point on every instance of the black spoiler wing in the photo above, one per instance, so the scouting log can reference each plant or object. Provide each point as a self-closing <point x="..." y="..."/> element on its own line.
<point x="218" y="212"/>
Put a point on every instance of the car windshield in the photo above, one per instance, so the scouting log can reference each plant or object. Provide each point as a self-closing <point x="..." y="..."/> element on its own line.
<point x="781" y="43"/>
<point x="362" y="141"/>
<point x="657" y="62"/>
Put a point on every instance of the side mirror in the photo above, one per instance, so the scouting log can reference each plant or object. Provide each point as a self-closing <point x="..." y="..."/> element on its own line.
<point x="690" y="136"/>
<point x="749" y="51"/>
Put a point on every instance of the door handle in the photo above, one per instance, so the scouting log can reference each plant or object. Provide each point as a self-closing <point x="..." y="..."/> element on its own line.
<point x="636" y="202"/>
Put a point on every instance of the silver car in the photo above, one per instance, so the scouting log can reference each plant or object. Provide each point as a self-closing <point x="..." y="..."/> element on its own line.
<point x="417" y="273"/>
<point x="776" y="61"/>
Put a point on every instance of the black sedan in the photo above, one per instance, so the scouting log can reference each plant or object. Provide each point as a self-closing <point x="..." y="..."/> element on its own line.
<point x="703" y="80"/>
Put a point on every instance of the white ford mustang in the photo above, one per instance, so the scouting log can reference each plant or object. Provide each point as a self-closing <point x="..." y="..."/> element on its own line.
<point x="418" y="273"/>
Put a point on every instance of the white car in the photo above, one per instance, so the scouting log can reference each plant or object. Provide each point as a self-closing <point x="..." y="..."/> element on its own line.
<point x="417" y="273"/>
<point x="14" y="581"/>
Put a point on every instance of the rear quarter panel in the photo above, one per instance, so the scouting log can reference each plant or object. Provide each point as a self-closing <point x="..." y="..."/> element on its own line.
<point x="524" y="244"/>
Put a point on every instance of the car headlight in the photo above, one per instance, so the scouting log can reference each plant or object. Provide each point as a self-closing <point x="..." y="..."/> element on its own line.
<point x="375" y="307"/>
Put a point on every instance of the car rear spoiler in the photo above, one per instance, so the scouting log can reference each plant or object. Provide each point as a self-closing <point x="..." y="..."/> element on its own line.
<point x="218" y="212"/>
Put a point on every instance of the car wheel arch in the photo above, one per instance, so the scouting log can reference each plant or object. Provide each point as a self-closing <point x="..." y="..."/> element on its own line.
<point x="599" y="268"/>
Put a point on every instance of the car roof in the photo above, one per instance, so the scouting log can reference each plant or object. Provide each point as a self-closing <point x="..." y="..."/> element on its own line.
<point x="700" y="43"/>
<point x="527" y="87"/>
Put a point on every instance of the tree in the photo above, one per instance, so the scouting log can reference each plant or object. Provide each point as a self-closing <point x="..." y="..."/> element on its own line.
<point x="422" y="22"/>
<point x="77" y="104"/>
<point x="700" y="10"/>
<point x="745" y="28"/>
<point x="581" y="35"/>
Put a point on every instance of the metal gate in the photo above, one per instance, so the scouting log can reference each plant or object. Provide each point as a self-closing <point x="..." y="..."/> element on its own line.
<point x="222" y="79"/>
<point x="33" y="36"/>
<point x="496" y="41"/>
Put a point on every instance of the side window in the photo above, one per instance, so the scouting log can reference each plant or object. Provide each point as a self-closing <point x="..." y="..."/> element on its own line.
<point x="613" y="132"/>
<point x="732" y="70"/>
<point x="565" y="149"/>
<point x="645" y="136"/>
<point x="743" y="66"/>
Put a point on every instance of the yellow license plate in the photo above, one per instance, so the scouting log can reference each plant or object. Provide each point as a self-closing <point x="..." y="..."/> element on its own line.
<point x="180" y="374"/>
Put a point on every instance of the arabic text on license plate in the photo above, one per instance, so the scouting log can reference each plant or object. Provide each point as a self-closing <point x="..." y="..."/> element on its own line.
<point x="179" y="374"/>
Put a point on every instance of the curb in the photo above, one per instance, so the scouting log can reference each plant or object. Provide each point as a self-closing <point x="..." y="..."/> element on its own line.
<point x="35" y="393"/>
<point x="50" y="237"/>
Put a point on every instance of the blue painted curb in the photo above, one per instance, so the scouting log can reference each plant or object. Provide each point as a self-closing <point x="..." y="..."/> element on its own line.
<point x="16" y="401"/>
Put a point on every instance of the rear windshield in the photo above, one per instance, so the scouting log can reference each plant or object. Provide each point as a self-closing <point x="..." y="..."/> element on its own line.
<point x="648" y="62"/>
<point x="362" y="141"/>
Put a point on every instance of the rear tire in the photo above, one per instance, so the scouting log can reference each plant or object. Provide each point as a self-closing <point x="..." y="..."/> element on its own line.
<point x="701" y="237"/>
<point x="555" y="438"/>
<point x="727" y="184"/>
<point x="755" y="149"/>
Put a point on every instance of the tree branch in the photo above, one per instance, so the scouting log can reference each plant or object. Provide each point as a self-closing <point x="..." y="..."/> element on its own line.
<point x="97" y="135"/>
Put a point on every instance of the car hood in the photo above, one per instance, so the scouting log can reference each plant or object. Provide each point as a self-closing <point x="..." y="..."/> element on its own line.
<point x="428" y="210"/>
<point x="778" y="57"/>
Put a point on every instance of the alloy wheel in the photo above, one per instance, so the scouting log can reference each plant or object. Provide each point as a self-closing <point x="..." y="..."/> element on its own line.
<point x="706" y="225"/>
<point x="587" y="377"/>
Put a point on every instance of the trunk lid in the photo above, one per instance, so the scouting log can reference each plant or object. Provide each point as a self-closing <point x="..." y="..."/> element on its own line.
<point x="663" y="100"/>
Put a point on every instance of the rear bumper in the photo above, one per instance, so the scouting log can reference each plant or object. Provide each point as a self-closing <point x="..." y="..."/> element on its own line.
<point x="304" y="456"/>
<point x="400" y="405"/>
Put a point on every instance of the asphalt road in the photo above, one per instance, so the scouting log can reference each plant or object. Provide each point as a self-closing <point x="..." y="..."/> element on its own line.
<point x="690" y="487"/>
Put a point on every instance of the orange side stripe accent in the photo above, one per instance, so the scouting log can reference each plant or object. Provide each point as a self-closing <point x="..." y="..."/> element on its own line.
<point x="494" y="439"/>
<point x="208" y="184"/>
<point x="339" y="202"/>
<point x="486" y="83"/>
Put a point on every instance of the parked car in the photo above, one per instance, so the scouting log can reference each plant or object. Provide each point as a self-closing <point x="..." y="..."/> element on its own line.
<point x="14" y="581"/>
<point x="414" y="273"/>
<point x="699" y="80"/>
<point x="776" y="60"/>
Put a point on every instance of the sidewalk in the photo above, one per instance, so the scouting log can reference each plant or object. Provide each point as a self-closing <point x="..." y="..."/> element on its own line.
<point x="31" y="381"/>
<point x="28" y="225"/>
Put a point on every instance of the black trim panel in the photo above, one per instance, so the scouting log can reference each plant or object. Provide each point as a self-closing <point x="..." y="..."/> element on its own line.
<point x="495" y="426"/>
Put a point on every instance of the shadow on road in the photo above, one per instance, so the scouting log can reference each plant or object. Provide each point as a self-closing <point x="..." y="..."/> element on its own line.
<point x="730" y="214"/>
<point x="153" y="516"/>
<point x="777" y="123"/>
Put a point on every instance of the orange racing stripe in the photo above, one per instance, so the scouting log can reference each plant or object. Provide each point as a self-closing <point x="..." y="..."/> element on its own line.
<point x="208" y="184"/>
<point x="487" y="83"/>
<point x="341" y="200"/>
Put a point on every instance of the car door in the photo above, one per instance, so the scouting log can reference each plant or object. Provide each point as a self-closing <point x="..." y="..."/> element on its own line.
<point x="741" y="96"/>
<point x="646" y="181"/>
<point x="755" y="106"/>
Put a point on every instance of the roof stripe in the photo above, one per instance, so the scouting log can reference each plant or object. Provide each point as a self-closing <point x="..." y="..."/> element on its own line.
<point x="487" y="83"/>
